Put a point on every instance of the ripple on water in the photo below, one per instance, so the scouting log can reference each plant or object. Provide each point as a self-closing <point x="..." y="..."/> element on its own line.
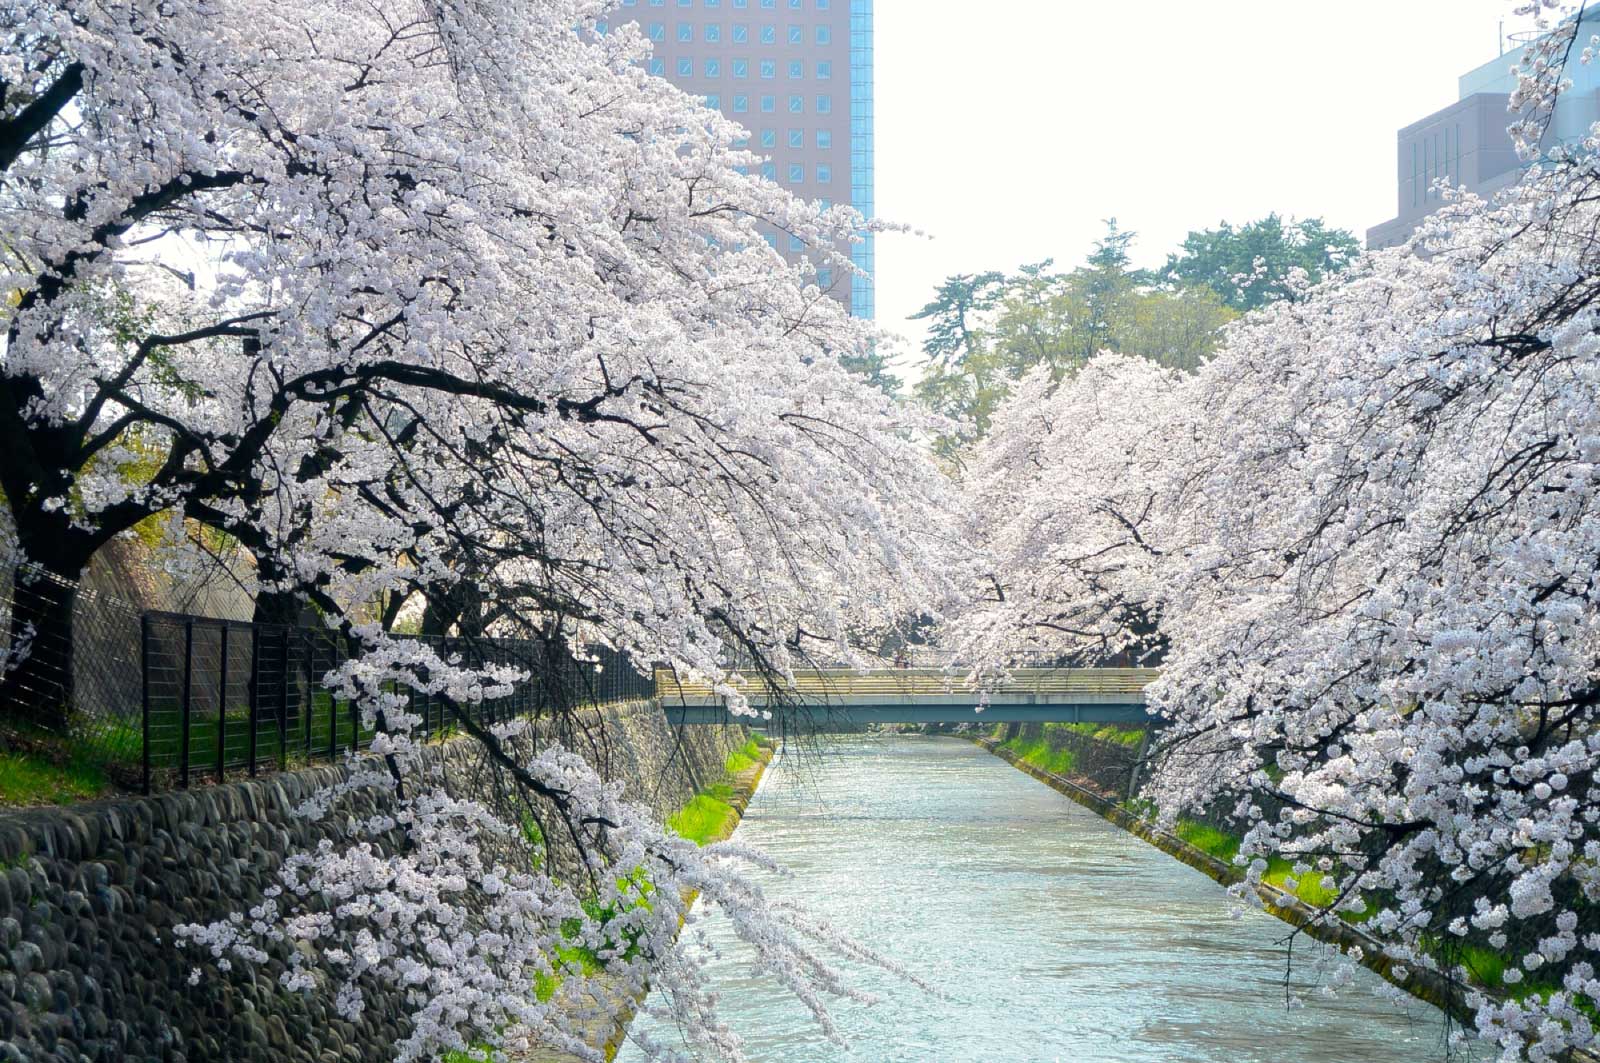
<point x="1049" y="934"/>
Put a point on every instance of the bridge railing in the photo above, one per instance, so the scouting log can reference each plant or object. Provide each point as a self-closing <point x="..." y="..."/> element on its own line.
<point x="825" y="684"/>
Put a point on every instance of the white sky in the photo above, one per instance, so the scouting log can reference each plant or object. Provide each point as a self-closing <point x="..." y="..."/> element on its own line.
<point x="1008" y="129"/>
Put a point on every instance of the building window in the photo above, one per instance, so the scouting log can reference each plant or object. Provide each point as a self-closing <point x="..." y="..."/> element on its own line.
<point x="769" y="35"/>
<point x="685" y="68"/>
<point x="797" y="138"/>
<point x="741" y="68"/>
<point x="601" y="26"/>
<point x="824" y="35"/>
<point x="796" y="244"/>
<point x="824" y="173"/>
<point x="741" y="104"/>
<point x="741" y="33"/>
<point x="658" y="67"/>
<point x="768" y="104"/>
<point x="741" y="3"/>
<point x="769" y="69"/>
<point x="797" y="34"/>
<point x="768" y="5"/>
<point x="769" y="171"/>
<point x="769" y="138"/>
<point x="824" y="70"/>
<point x="714" y="102"/>
<point x="656" y="3"/>
<point x="797" y="105"/>
<point x="713" y="3"/>
<point x="685" y="3"/>
<point x="772" y="241"/>
<point x="797" y="172"/>
<point x="797" y="69"/>
<point x="824" y="139"/>
<point x="658" y="31"/>
<point x="685" y="33"/>
<point x="824" y="104"/>
<point x="825" y="278"/>
<point x="713" y="68"/>
<point x="713" y="33"/>
<point x="823" y="5"/>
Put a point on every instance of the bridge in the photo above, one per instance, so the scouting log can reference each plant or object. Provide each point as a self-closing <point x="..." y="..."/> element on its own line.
<point x="924" y="695"/>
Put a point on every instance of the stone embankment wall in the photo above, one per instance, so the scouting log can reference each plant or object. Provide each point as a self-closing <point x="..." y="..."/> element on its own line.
<point x="89" y="895"/>
<point x="1109" y="768"/>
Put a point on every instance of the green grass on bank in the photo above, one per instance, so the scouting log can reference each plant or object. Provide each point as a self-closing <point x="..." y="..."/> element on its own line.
<point x="1038" y="753"/>
<point x="743" y="759"/>
<point x="44" y="773"/>
<point x="1036" y="749"/>
<point x="704" y="818"/>
<point x="710" y="816"/>
<point x="1119" y="736"/>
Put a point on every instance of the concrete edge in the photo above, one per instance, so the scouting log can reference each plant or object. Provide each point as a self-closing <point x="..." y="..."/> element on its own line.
<point x="744" y="790"/>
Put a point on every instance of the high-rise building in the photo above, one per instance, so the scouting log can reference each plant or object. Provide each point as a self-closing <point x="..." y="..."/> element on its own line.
<point x="798" y="75"/>
<point x="1466" y="143"/>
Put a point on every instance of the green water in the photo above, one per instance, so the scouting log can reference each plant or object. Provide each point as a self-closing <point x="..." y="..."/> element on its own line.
<point x="1048" y="934"/>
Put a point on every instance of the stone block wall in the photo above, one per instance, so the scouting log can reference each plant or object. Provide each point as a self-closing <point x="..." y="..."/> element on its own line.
<point x="89" y="894"/>
<point x="1106" y="766"/>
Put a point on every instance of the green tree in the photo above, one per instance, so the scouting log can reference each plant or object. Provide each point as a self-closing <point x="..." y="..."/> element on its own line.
<point x="1250" y="266"/>
<point x="874" y="368"/>
<point x="988" y="329"/>
<point x="958" y="375"/>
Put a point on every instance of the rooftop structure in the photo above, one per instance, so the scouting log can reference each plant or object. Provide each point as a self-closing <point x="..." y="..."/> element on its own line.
<point x="1466" y="144"/>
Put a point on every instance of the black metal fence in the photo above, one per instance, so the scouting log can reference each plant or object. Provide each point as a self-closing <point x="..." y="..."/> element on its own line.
<point x="223" y="696"/>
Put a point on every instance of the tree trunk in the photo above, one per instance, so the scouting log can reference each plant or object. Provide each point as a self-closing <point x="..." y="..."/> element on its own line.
<point x="36" y="687"/>
<point x="282" y="677"/>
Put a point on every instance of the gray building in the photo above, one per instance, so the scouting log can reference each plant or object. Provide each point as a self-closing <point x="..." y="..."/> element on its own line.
<point x="798" y="75"/>
<point x="1466" y="144"/>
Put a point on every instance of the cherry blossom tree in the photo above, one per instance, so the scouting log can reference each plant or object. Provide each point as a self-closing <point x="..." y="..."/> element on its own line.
<point x="447" y="300"/>
<point x="1067" y="497"/>
<point x="1367" y="533"/>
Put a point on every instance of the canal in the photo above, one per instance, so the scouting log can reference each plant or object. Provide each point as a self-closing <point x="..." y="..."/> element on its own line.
<point x="1047" y="933"/>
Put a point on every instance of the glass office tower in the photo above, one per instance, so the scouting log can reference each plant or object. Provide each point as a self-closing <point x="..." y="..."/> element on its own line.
<point x="798" y="75"/>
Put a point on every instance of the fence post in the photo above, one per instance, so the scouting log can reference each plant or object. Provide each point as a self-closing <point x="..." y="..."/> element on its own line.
<point x="222" y="703"/>
<point x="254" y="693"/>
<point x="311" y="693"/>
<point x="144" y="699"/>
<point x="1138" y="762"/>
<point x="283" y="707"/>
<point x="183" y="724"/>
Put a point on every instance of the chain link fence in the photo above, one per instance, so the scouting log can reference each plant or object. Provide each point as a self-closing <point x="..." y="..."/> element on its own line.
<point x="77" y="674"/>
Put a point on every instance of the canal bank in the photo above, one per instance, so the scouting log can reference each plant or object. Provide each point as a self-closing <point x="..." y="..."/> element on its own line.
<point x="1047" y="933"/>
<point x="1091" y="791"/>
<point x="710" y="816"/>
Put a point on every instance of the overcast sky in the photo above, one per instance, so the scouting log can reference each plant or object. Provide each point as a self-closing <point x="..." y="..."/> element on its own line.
<point x="1008" y="129"/>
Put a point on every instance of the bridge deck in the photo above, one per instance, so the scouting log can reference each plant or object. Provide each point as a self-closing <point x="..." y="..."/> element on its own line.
<point x="926" y="695"/>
